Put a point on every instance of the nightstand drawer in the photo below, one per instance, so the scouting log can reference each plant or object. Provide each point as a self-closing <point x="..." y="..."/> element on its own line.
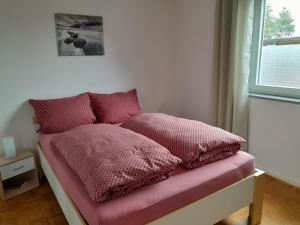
<point x="17" y="168"/>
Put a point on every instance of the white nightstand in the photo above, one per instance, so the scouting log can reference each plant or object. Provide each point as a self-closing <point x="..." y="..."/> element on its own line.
<point x="19" y="170"/>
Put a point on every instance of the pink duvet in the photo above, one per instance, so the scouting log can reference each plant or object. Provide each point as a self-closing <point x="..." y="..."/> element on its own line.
<point x="196" y="143"/>
<point x="112" y="161"/>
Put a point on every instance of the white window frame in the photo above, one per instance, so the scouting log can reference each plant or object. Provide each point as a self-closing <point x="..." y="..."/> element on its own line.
<point x="257" y="42"/>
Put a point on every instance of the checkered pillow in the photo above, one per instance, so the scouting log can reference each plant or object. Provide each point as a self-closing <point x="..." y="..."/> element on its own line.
<point x="115" y="108"/>
<point x="59" y="115"/>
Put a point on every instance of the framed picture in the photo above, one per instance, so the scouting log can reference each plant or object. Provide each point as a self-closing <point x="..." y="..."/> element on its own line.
<point x="79" y="35"/>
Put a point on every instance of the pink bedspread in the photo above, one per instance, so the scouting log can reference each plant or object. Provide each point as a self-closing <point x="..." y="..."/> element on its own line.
<point x="149" y="203"/>
<point x="112" y="161"/>
<point x="196" y="143"/>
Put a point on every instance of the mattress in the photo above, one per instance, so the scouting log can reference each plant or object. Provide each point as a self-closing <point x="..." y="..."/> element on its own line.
<point x="152" y="202"/>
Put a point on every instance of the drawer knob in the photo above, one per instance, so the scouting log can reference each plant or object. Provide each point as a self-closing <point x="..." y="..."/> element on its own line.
<point x="18" y="168"/>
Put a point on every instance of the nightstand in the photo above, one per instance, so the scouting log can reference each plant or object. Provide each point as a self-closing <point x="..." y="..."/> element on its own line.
<point x="18" y="175"/>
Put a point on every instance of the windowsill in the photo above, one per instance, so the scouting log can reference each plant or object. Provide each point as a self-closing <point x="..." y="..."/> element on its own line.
<point x="275" y="98"/>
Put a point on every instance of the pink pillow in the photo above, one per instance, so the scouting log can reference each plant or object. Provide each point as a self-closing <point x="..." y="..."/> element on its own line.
<point x="59" y="115"/>
<point x="115" y="108"/>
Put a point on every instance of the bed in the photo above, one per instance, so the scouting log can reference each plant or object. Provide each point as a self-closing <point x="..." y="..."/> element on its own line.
<point x="185" y="198"/>
<point x="203" y="195"/>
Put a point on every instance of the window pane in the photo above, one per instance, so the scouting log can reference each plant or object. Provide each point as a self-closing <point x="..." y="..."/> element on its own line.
<point x="280" y="59"/>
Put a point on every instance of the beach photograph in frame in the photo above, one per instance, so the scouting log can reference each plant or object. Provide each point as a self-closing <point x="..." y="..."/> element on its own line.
<point x="79" y="35"/>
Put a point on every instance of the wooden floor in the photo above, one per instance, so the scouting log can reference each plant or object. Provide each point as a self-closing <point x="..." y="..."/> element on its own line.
<point x="39" y="207"/>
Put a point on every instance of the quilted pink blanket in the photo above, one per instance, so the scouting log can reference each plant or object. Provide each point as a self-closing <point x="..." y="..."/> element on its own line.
<point x="196" y="143"/>
<point x="112" y="161"/>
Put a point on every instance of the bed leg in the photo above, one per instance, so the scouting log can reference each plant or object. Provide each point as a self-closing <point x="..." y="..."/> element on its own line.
<point x="255" y="209"/>
<point x="39" y="168"/>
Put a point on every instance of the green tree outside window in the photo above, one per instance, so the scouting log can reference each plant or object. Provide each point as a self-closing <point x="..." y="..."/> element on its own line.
<point x="278" y="27"/>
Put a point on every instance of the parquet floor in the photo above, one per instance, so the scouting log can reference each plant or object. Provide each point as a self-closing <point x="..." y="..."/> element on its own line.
<point x="39" y="207"/>
<point x="281" y="206"/>
<point x="36" y="207"/>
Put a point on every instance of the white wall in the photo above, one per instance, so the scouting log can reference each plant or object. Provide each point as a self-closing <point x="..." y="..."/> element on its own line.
<point x="275" y="138"/>
<point x="274" y="126"/>
<point x="196" y="42"/>
<point x="139" y="53"/>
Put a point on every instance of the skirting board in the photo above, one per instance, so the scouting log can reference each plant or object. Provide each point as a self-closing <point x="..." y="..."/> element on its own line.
<point x="277" y="175"/>
<point x="205" y="211"/>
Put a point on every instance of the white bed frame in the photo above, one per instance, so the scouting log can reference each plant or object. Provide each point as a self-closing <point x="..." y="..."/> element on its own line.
<point x="206" y="211"/>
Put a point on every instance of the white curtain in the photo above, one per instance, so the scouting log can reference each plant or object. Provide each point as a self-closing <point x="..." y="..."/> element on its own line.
<point x="236" y="22"/>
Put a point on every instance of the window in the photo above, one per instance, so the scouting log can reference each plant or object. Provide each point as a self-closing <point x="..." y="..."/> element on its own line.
<point x="275" y="62"/>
